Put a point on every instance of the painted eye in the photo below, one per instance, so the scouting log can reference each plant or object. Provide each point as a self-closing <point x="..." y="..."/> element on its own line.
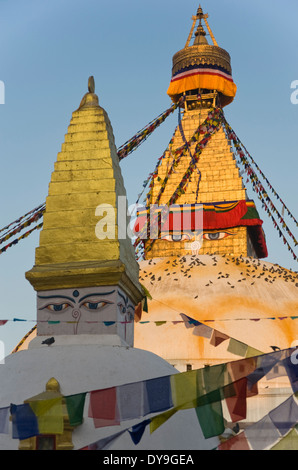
<point x="94" y="305"/>
<point x="57" y="307"/>
<point x="176" y="237"/>
<point x="216" y="235"/>
<point x="122" y="307"/>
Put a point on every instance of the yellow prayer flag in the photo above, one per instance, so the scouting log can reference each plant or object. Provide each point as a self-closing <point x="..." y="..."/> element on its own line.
<point x="251" y="352"/>
<point x="49" y="415"/>
<point x="184" y="389"/>
<point x="157" y="421"/>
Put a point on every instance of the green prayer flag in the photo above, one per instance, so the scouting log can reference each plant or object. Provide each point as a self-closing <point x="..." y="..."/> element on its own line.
<point x="237" y="347"/>
<point x="211" y="419"/>
<point x="75" y="408"/>
<point x="289" y="442"/>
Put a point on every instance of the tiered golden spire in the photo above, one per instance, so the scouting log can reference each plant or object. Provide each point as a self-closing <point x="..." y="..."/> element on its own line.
<point x="202" y="74"/>
<point x="87" y="175"/>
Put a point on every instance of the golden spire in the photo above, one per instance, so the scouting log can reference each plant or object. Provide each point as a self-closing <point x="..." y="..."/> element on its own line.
<point x="85" y="189"/>
<point x="202" y="66"/>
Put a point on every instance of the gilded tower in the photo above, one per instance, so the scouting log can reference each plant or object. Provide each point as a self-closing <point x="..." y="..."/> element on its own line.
<point x="209" y="181"/>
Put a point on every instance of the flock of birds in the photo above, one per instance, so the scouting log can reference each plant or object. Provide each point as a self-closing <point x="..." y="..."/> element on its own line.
<point x="252" y="269"/>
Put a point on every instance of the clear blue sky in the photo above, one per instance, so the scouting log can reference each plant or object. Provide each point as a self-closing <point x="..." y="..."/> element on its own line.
<point x="49" y="49"/>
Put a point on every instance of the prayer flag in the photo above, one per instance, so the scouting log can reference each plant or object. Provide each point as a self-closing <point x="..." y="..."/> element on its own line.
<point x="262" y="434"/>
<point x="24" y="422"/>
<point x="75" y="408"/>
<point x="189" y="322"/>
<point x="130" y="399"/>
<point x="292" y="370"/>
<point x="157" y="421"/>
<point x="237" y="404"/>
<point x="251" y="352"/>
<point x="264" y="365"/>
<point x="138" y="311"/>
<point x="49" y="415"/>
<point x="103" y="443"/>
<point x="238" y="442"/>
<point x="4" y="420"/>
<point x="203" y="330"/>
<point x="184" y="389"/>
<point x="285" y="416"/>
<point x="211" y="419"/>
<point x="217" y="338"/>
<point x="103" y="407"/>
<point x="289" y="442"/>
<point x="137" y="431"/>
<point x="237" y="347"/>
<point x="159" y="394"/>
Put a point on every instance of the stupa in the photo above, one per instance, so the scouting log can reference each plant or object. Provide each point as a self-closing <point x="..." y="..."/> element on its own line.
<point x="209" y="266"/>
<point x="86" y="281"/>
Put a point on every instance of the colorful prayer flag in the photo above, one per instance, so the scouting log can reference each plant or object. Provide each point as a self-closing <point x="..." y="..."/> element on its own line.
<point x="103" y="407"/>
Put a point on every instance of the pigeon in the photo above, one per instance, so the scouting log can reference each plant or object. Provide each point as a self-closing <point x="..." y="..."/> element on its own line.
<point x="236" y="428"/>
<point x="49" y="341"/>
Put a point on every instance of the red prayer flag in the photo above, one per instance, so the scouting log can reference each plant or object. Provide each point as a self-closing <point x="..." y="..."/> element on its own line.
<point x="238" y="442"/>
<point x="103" y="407"/>
<point x="217" y="338"/>
<point x="237" y="404"/>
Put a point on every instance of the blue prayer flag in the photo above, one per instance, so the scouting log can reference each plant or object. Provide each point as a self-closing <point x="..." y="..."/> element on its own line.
<point x="24" y="422"/>
<point x="159" y="394"/>
<point x="137" y="431"/>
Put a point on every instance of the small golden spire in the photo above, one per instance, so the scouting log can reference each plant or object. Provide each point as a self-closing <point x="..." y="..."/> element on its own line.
<point x="90" y="98"/>
<point x="91" y="84"/>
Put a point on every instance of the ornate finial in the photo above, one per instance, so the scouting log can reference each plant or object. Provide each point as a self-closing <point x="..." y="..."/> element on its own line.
<point x="90" y="98"/>
<point x="200" y="13"/>
<point x="91" y="84"/>
<point x="53" y="385"/>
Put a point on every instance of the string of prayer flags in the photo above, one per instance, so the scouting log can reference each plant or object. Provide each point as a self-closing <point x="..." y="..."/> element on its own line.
<point x="142" y="135"/>
<point x="38" y="209"/>
<point x="216" y="337"/>
<point x="259" y="188"/>
<point x="16" y="240"/>
<point x="20" y="227"/>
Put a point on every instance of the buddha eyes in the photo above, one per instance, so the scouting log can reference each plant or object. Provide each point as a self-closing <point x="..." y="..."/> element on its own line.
<point x="91" y="305"/>
<point x="57" y="307"/>
<point x="216" y="235"/>
<point x="95" y="305"/>
<point x="188" y="236"/>
<point x="176" y="238"/>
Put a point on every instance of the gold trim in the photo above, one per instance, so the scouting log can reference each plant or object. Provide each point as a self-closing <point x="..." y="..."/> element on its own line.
<point x="202" y="54"/>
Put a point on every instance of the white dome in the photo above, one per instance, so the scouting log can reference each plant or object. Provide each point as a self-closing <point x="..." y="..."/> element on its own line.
<point x="87" y="367"/>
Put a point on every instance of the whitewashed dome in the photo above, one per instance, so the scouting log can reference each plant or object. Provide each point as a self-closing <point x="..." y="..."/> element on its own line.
<point x="91" y="366"/>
